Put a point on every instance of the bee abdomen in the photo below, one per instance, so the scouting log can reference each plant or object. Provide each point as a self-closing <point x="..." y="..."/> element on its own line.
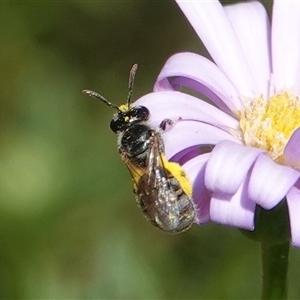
<point x="167" y="208"/>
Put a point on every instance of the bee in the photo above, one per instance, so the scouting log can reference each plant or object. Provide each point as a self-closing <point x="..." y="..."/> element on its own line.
<point x="163" y="191"/>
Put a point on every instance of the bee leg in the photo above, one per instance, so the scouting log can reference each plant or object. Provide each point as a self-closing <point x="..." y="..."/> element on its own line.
<point x="166" y="124"/>
<point x="175" y="186"/>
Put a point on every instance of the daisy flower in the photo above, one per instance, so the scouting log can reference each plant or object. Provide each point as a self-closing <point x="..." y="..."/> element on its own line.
<point x="239" y="144"/>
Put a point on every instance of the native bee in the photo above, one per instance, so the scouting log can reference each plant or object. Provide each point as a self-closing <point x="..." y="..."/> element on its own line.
<point x="163" y="191"/>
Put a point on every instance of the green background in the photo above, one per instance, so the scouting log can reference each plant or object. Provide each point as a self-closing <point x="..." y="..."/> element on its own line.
<point x="69" y="224"/>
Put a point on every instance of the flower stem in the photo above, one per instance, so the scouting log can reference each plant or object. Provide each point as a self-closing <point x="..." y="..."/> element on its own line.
<point x="274" y="269"/>
<point x="272" y="230"/>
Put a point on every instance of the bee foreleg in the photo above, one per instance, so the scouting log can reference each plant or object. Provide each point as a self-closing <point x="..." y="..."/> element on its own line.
<point x="167" y="124"/>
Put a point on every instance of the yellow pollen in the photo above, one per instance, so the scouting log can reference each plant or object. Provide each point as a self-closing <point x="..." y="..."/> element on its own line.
<point x="123" y="107"/>
<point x="268" y="125"/>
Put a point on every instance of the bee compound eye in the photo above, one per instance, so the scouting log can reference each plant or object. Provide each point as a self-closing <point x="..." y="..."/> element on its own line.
<point x="142" y="113"/>
<point x="117" y="124"/>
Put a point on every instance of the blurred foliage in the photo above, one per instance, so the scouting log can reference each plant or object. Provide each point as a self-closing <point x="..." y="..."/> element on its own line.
<point x="69" y="225"/>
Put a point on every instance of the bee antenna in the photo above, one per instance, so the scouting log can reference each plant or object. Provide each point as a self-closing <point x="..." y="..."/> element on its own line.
<point x="131" y="82"/>
<point x="99" y="97"/>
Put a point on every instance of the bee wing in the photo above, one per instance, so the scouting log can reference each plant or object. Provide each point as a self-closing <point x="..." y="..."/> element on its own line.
<point x="157" y="174"/>
<point x="163" y="168"/>
<point x="135" y="171"/>
<point x="163" y="174"/>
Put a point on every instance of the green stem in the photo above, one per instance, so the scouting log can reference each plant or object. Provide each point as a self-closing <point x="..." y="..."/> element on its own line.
<point x="272" y="230"/>
<point x="274" y="270"/>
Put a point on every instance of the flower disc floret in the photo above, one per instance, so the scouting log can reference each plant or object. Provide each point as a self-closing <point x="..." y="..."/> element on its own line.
<point x="268" y="125"/>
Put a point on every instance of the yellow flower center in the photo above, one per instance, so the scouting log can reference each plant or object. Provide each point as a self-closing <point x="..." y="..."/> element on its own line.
<point x="268" y="125"/>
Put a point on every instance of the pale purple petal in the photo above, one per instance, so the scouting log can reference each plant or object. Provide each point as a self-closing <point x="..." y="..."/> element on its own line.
<point x="202" y="75"/>
<point x="176" y="105"/>
<point x="292" y="150"/>
<point x="286" y="44"/>
<point x="270" y="182"/>
<point x="186" y="134"/>
<point x="228" y="166"/>
<point x="179" y="82"/>
<point x="236" y="210"/>
<point x="214" y="29"/>
<point x="293" y="201"/>
<point x="195" y="169"/>
<point x="187" y="154"/>
<point x="251" y="25"/>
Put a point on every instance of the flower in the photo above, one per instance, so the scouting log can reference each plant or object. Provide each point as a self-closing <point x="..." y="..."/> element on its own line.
<point x="243" y="149"/>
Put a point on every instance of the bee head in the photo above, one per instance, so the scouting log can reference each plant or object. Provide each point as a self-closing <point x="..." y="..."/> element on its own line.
<point x="126" y="114"/>
<point x="129" y="116"/>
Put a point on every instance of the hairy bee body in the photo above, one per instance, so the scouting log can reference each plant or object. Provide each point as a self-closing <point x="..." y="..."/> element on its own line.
<point x="163" y="191"/>
<point x="161" y="196"/>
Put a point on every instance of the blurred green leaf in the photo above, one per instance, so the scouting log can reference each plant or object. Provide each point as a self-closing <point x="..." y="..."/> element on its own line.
<point x="70" y="226"/>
